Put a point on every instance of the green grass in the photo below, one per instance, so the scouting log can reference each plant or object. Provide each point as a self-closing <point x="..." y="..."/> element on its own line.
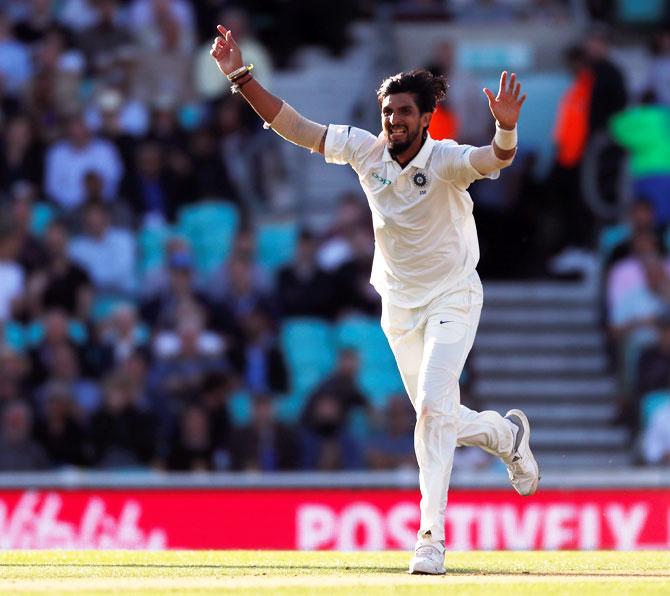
<point x="331" y="573"/>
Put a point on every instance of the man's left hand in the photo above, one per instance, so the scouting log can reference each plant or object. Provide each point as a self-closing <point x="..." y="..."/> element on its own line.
<point x="506" y="106"/>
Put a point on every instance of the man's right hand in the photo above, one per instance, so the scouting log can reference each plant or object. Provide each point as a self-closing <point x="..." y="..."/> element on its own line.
<point x="226" y="52"/>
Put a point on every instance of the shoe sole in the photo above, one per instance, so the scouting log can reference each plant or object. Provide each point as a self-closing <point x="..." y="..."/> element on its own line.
<point x="525" y="443"/>
<point x="413" y="571"/>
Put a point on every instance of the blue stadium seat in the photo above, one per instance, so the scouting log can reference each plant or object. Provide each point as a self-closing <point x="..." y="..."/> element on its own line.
<point x="151" y="242"/>
<point x="276" y="244"/>
<point x="652" y="402"/>
<point x="34" y="332"/>
<point x="40" y="218"/>
<point x="309" y="348"/>
<point x="14" y="336"/>
<point x="379" y="383"/>
<point x="640" y="11"/>
<point x="210" y="227"/>
<point x="239" y="406"/>
<point x="611" y="237"/>
<point x="366" y="336"/>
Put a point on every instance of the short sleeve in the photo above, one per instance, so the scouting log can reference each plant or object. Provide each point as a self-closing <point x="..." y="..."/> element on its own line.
<point x="453" y="164"/>
<point x="347" y="145"/>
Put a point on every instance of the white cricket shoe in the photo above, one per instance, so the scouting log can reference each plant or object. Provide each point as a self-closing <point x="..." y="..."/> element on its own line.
<point x="523" y="470"/>
<point x="428" y="559"/>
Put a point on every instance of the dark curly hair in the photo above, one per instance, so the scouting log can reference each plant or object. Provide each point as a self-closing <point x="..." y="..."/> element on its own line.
<point x="428" y="89"/>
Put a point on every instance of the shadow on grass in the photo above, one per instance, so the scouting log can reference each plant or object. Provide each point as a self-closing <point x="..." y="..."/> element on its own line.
<point x="379" y="570"/>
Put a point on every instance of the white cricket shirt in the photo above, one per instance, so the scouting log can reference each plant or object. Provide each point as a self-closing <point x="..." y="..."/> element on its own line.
<point x="425" y="234"/>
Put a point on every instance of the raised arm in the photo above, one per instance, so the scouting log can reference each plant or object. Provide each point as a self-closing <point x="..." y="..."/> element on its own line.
<point x="279" y="115"/>
<point x="505" y="108"/>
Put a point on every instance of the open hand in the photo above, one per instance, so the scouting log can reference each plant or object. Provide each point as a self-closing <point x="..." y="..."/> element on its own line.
<point x="226" y="52"/>
<point x="506" y="106"/>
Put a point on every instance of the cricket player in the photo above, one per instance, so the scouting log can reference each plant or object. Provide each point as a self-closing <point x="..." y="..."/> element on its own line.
<point x="426" y="251"/>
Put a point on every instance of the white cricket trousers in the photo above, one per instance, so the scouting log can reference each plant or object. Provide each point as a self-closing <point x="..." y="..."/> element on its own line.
<point x="430" y="344"/>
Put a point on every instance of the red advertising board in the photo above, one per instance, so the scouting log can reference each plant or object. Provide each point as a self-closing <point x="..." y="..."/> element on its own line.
<point x="348" y="519"/>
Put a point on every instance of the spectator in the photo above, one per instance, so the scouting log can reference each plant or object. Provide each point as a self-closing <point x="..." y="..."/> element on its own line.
<point x="177" y="291"/>
<point x="353" y="291"/>
<point x="628" y="274"/>
<point x="60" y="283"/>
<point x="60" y="430"/>
<point x="64" y="368"/>
<point x="643" y="130"/>
<point x="262" y="363"/>
<point x="327" y="444"/>
<point x="12" y="277"/>
<point x="122" y="434"/>
<point x="656" y="438"/>
<point x="122" y="334"/>
<point x="16" y="67"/>
<point x="393" y="446"/>
<point x="303" y="288"/>
<point x="341" y="385"/>
<point x="265" y="444"/>
<point x="609" y="94"/>
<point x="19" y="452"/>
<point x="659" y="69"/>
<point x="22" y="157"/>
<point x="102" y="39"/>
<point x="120" y="118"/>
<point x="38" y="19"/>
<point x="185" y="357"/>
<point x="150" y="188"/>
<point x="210" y="176"/>
<point x="32" y="254"/>
<point x="209" y="83"/>
<point x="192" y="449"/>
<point x="214" y="396"/>
<point x="106" y="253"/>
<point x="337" y="248"/>
<point x="640" y="219"/>
<point x="69" y="160"/>
<point x="654" y="365"/>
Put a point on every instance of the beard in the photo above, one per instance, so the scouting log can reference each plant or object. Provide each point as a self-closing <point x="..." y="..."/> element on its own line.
<point x="397" y="147"/>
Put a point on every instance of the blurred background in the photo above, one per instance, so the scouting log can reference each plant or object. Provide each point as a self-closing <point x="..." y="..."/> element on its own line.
<point x="182" y="290"/>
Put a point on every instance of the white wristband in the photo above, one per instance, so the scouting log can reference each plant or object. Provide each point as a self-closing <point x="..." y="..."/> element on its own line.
<point x="505" y="139"/>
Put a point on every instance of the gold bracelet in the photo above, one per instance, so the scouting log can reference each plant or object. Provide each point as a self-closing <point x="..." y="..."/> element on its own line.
<point x="240" y="72"/>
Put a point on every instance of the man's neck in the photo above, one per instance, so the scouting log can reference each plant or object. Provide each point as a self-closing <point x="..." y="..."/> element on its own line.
<point x="410" y="153"/>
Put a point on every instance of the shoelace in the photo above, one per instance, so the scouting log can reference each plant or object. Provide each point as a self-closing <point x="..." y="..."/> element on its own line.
<point x="428" y="550"/>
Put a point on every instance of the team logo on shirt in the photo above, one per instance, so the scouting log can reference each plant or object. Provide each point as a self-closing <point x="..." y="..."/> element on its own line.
<point x="421" y="179"/>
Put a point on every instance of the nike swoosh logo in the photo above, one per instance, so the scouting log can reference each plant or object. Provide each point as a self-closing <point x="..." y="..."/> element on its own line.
<point x="443" y="322"/>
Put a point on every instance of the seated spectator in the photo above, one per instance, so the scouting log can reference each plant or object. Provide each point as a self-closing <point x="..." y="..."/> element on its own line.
<point x="122" y="434"/>
<point x="122" y="334"/>
<point x="60" y="282"/>
<point x="184" y="358"/>
<point x="265" y="444"/>
<point x="393" y="446"/>
<point x="192" y="449"/>
<point x="55" y="333"/>
<point x="656" y="438"/>
<point x="106" y="253"/>
<point x="303" y="288"/>
<point x="208" y="80"/>
<point x="637" y="312"/>
<point x="68" y="161"/>
<point x="629" y="274"/>
<point x="654" y="364"/>
<point x="32" y="254"/>
<point x="101" y="39"/>
<point x="150" y="189"/>
<point x="213" y="399"/>
<point x="327" y="444"/>
<point x="16" y="67"/>
<point x="341" y="385"/>
<point x="60" y="429"/>
<point x="640" y="219"/>
<point x="260" y="358"/>
<point x="12" y="276"/>
<point x="35" y="22"/>
<point x="22" y="156"/>
<point x="174" y="291"/>
<point x="64" y="368"/>
<point x="337" y="248"/>
<point x="243" y="292"/>
<point x="353" y="291"/>
<point x="19" y="452"/>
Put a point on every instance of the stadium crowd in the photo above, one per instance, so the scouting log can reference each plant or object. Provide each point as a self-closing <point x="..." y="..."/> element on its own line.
<point x="114" y="127"/>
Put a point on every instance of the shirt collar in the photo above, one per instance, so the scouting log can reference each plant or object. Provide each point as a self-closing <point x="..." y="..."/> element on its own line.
<point x="420" y="159"/>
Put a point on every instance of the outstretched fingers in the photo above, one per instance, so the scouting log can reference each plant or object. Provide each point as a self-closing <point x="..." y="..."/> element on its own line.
<point x="503" y="83"/>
